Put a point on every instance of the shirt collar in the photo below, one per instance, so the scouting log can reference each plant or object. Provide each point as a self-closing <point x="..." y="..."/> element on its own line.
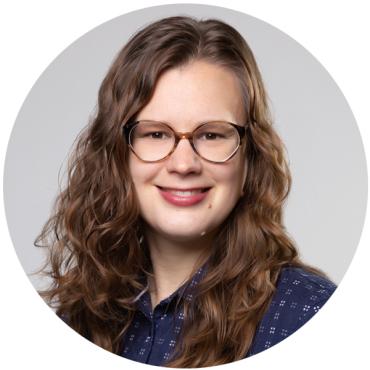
<point x="185" y="291"/>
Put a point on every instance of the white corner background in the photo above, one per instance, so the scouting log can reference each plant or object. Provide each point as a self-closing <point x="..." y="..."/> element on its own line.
<point x="33" y="33"/>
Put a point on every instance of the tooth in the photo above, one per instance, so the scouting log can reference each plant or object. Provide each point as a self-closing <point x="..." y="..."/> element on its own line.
<point x="185" y="193"/>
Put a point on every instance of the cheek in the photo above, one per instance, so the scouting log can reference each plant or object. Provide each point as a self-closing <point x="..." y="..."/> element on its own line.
<point x="226" y="195"/>
<point x="141" y="173"/>
<point x="231" y="178"/>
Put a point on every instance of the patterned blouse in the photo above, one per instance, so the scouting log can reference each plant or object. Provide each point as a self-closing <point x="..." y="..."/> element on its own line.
<point x="152" y="335"/>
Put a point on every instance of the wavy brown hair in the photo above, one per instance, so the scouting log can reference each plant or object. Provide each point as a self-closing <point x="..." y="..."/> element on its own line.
<point x="95" y="259"/>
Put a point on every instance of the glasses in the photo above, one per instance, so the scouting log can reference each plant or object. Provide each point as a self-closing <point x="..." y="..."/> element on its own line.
<point x="153" y="141"/>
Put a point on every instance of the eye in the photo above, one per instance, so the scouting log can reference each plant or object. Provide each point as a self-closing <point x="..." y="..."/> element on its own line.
<point x="157" y="135"/>
<point x="211" y="136"/>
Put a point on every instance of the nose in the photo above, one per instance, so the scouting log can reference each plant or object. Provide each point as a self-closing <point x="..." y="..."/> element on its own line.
<point x="184" y="160"/>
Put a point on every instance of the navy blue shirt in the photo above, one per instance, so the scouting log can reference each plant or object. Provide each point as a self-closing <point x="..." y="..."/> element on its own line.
<point x="152" y="335"/>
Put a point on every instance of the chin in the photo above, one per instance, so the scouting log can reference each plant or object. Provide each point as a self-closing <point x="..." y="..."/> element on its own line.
<point x="181" y="237"/>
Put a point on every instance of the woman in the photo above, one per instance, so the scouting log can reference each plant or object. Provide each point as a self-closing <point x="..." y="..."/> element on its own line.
<point x="167" y="245"/>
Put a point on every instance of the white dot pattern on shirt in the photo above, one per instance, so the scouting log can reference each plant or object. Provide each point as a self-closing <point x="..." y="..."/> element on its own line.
<point x="160" y="340"/>
<point x="305" y="290"/>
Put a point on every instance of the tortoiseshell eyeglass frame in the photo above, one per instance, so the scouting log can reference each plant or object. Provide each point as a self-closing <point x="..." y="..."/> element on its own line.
<point x="129" y="126"/>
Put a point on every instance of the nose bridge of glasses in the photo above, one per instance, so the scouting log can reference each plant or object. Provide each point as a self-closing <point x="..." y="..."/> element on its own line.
<point x="184" y="135"/>
<point x="188" y="136"/>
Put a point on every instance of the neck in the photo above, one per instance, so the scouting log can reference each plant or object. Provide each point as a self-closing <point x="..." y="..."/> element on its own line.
<point x="174" y="262"/>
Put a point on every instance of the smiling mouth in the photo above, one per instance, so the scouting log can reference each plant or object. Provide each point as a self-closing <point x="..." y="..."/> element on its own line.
<point x="184" y="192"/>
<point x="183" y="197"/>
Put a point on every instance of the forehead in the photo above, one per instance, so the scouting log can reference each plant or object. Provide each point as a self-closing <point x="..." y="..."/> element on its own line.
<point x="195" y="93"/>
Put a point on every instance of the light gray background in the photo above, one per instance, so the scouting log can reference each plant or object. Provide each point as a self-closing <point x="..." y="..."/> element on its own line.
<point x="326" y="207"/>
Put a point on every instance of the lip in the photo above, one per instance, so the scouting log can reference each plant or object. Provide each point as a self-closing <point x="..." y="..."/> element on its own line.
<point x="183" y="189"/>
<point x="183" y="200"/>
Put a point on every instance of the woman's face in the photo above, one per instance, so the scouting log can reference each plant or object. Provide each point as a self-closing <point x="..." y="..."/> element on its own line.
<point x="184" y="97"/>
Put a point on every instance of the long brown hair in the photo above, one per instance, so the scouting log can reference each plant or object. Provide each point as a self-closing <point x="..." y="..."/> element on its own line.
<point x="95" y="259"/>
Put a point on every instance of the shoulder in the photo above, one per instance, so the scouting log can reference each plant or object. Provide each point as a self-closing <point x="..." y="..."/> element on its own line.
<point x="299" y="295"/>
<point x="303" y="286"/>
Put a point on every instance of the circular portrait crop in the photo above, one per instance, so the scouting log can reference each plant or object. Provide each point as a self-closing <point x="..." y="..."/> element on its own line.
<point x="185" y="185"/>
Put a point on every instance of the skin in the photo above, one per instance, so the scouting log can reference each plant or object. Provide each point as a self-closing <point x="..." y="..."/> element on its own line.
<point x="184" y="97"/>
